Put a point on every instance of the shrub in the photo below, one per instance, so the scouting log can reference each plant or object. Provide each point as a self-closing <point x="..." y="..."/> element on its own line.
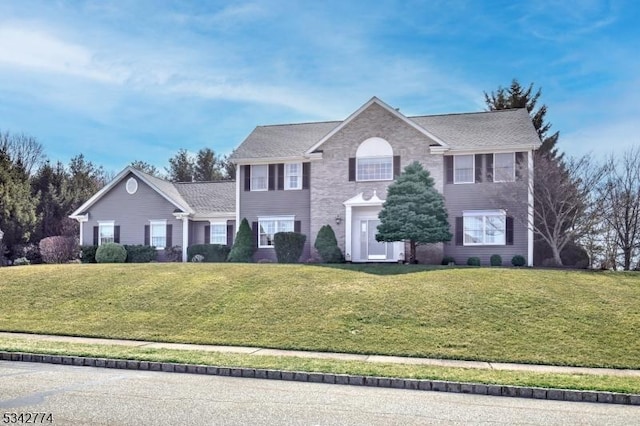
<point x="289" y="246"/>
<point x="21" y="261"/>
<point x="3" y="252"/>
<point x="574" y="256"/>
<point x="447" y="260"/>
<point x="209" y="252"/>
<point x="243" y="246"/>
<point x="473" y="261"/>
<point x="111" y="253"/>
<point x="88" y="254"/>
<point x="58" y="249"/>
<point x="197" y="258"/>
<point x="173" y="254"/>
<point x="327" y="245"/>
<point x="140" y="253"/>
<point x="32" y="253"/>
<point x="518" y="260"/>
<point x="496" y="260"/>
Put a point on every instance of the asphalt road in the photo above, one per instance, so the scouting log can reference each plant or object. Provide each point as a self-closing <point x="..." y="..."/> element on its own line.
<point x="95" y="396"/>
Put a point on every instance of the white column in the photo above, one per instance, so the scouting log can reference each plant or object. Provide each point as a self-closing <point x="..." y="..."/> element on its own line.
<point x="185" y="237"/>
<point x="347" y="235"/>
<point x="530" y="215"/>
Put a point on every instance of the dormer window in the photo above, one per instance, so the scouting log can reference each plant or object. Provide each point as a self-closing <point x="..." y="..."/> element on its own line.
<point x="374" y="160"/>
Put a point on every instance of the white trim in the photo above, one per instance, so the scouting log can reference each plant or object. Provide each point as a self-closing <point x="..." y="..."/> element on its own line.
<point x="513" y="174"/>
<point x="484" y="214"/>
<point x="157" y="222"/>
<point x="530" y="208"/>
<point x="491" y="149"/>
<point x="287" y="176"/>
<point x="134" y="185"/>
<point x="237" y="212"/>
<point x="252" y="176"/>
<point x="473" y="169"/>
<point x="105" y="223"/>
<point x="373" y="158"/>
<point x="287" y="218"/>
<point x="272" y="160"/>
<point x="213" y="223"/>
<point x="185" y="236"/>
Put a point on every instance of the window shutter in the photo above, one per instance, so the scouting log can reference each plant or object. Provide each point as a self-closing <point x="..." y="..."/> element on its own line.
<point x="272" y="176"/>
<point x="488" y="158"/>
<point x="95" y="235"/>
<point x="306" y="169"/>
<point x="207" y="234"/>
<point x="147" y="233"/>
<point x="520" y="164"/>
<point x="459" y="231"/>
<point x="281" y="176"/>
<point x="254" y="228"/>
<point x="169" y="235"/>
<point x="116" y="234"/>
<point x="352" y="169"/>
<point x="448" y="166"/>
<point x="509" y="231"/>
<point x="247" y="177"/>
<point x="396" y="166"/>
<point x="478" y="160"/>
<point x="229" y="234"/>
<point x="296" y="226"/>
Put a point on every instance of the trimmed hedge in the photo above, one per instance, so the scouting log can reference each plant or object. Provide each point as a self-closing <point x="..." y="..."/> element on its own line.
<point x="473" y="261"/>
<point x="111" y="253"/>
<point x="496" y="260"/>
<point x="88" y="254"/>
<point x="518" y="260"/>
<point x="327" y="246"/>
<point x="58" y="249"/>
<point x="289" y="246"/>
<point x="209" y="252"/>
<point x="140" y="253"/>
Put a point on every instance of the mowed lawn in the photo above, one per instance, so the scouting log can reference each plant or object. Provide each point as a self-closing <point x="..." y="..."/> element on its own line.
<point x="495" y="314"/>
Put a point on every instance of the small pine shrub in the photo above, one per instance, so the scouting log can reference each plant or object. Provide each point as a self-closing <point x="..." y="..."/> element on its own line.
<point x="518" y="260"/>
<point x="140" y="253"/>
<point x="496" y="260"/>
<point x="111" y="253"/>
<point x="243" y="246"/>
<point x="58" y="249"/>
<point x="209" y="252"/>
<point x="327" y="245"/>
<point x="88" y="254"/>
<point x="21" y="261"/>
<point x="473" y="261"/>
<point x="447" y="260"/>
<point x="289" y="246"/>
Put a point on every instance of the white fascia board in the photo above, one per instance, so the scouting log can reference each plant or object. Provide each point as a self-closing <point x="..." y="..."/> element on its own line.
<point x="492" y="150"/>
<point x="270" y="160"/>
<point x="215" y="216"/>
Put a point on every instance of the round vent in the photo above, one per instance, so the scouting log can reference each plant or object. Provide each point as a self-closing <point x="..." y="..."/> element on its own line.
<point x="132" y="186"/>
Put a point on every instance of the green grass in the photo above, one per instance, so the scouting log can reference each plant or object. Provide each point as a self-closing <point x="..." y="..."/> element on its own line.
<point x="520" y="378"/>
<point x="491" y="314"/>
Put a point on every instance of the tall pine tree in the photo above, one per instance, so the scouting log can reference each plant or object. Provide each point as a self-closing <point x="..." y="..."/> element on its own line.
<point x="414" y="211"/>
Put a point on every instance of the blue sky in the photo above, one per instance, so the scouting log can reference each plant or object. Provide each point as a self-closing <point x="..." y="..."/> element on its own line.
<point x="137" y="80"/>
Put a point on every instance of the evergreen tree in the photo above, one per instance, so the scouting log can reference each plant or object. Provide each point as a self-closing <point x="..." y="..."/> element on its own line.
<point x="244" y="245"/>
<point x="181" y="167"/>
<point x="517" y="96"/>
<point x="50" y="185"/>
<point x="145" y="167"/>
<point x="327" y="245"/>
<point x="414" y="211"/>
<point x="208" y="167"/>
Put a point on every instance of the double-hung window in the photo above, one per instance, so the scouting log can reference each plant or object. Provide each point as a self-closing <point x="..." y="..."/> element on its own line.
<point x="463" y="169"/>
<point x="485" y="227"/>
<point x="158" y="233"/>
<point x="218" y="233"/>
<point x="374" y="168"/>
<point x="293" y="176"/>
<point x="106" y="232"/>
<point x="504" y="167"/>
<point x="259" y="177"/>
<point x="269" y="226"/>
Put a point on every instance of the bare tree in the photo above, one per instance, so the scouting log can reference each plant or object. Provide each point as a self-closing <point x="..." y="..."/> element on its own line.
<point x="23" y="150"/>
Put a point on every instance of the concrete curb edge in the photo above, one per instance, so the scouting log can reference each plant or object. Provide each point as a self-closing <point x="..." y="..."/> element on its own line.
<point x="338" y="379"/>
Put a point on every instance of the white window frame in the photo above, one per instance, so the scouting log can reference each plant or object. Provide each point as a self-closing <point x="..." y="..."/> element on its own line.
<point x="163" y="224"/>
<point x="512" y="178"/>
<point x="485" y="214"/>
<point x="105" y="224"/>
<point x="255" y="167"/>
<point x="222" y="235"/>
<point x="288" y="174"/>
<point x="473" y="169"/>
<point x="278" y="220"/>
<point x="385" y="158"/>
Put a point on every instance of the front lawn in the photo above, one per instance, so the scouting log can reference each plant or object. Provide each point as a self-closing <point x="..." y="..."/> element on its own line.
<point x="492" y="314"/>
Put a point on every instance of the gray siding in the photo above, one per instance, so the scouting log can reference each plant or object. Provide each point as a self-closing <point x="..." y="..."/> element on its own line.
<point x="276" y="203"/>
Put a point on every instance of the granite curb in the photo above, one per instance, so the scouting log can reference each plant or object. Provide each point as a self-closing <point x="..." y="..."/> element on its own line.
<point x="330" y="378"/>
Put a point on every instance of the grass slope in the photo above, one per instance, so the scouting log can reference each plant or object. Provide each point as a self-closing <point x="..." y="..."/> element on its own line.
<point x="513" y="315"/>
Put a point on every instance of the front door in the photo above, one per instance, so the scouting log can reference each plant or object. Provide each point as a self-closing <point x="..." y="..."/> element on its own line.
<point x="374" y="250"/>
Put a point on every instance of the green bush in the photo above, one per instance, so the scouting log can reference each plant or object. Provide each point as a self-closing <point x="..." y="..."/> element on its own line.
<point x="58" y="249"/>
<point x="447" y="260"/>
<point x="496" y="260"/>
<point x="209" y="252"/>
<point x="289" y="246"/>
<point x="140" y="253"/>
<point x="88" y="254"/>
<point x="327" y="245"/>
<point x="473" y="261"/>
<point x="518" y="260"/>
<point x="243" y="246"/>
<point x="111" y="253"/>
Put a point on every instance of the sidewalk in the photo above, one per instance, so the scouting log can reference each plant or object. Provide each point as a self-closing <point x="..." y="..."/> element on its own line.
<point x="331" y="355"/>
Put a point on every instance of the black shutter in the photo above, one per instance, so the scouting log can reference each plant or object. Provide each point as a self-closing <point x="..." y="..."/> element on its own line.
<point x="147" y="233"/>
<point x="116" y="234"/>
<point x="229" y="234"/>
<point x="306" y="169"/>
<point x="169" y="235"/>
<point x="247" y="178"/>
<point x="520" y="164"/>
<point x="509" y="231"/>
<point x="95" y="235"/>
<point x="207" y="234"/>
<point x="296" y="226"/>
<point x="478" y="160"/>
<point x="396" y="166"/>
<point x="488" y="158"/>
<point x="448" y="166"/>
<point x="281" y="176"/>
<point x="352" y="169"/>
<point x="459" y="231"/>
<point x="272" y="176"/>
<point x="254" y="228"/>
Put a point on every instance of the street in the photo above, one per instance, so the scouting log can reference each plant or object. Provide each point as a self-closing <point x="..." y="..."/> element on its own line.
<point x="97" y="396"/>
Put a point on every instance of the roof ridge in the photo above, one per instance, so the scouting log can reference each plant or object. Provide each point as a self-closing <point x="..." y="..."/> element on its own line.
<point x="467" y="113"/>
<point x="205" y="181"/>
<point x="301" y="124"/>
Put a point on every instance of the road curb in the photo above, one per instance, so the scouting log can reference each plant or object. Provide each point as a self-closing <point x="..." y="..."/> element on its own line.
<point x="338" y="379"/>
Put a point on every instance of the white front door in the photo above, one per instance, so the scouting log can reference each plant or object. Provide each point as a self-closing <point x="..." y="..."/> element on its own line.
<point x="373" y="250"/>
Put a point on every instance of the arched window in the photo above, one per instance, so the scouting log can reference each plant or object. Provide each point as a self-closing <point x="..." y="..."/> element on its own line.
<point x="374" y="160"/>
